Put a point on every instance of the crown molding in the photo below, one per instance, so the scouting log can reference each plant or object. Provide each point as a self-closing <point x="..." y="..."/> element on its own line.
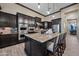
<point x="30" y="9"/>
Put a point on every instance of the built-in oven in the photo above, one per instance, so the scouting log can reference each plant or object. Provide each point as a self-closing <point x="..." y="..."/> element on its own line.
<point x="22" y="30"/>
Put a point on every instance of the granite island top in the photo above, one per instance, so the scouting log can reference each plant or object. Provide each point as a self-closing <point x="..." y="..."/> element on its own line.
<point x="42" y="37"/>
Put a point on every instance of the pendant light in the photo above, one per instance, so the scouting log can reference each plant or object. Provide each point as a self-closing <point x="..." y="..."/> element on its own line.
<point x="53" y="9"/>
<point x="48" y="11"/>
<point x="38" y="5"/>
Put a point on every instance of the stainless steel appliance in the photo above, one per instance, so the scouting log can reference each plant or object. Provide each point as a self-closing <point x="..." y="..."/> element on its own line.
<point x="22" y="28"/>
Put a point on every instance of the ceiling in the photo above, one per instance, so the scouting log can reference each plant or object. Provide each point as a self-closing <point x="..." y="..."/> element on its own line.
<point x="44" y="7"/>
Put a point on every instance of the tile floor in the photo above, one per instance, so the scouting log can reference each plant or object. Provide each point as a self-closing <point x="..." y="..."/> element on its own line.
<point x="72" y="46"/>
<point x="15" y="50"/>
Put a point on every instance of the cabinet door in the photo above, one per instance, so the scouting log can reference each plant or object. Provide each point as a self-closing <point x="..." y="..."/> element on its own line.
<point x="7" y="19"/>
<point x="4" y="19"/>
<point x="49" y="24"/>
<point x="12" y="21"/>
<point x="38" y="19"/>
<point x="0" y="41"/>
<point x="45" y="25"/>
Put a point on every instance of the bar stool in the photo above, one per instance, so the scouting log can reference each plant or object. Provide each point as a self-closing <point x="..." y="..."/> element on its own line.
<point x="59" y="44"/>
<point x="52" y="46"/>
<point x="62" y="43"/>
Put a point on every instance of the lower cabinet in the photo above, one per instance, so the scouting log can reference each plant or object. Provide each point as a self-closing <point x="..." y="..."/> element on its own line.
<point x="35" y="48"/>
<point x="8" y="40"/>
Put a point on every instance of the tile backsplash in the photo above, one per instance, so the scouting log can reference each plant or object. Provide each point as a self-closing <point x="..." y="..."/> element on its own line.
<point x="6" y="30"/>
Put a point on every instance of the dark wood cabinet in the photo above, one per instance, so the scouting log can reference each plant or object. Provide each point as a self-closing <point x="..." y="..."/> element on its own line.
<point x="30" y="20"/>
<point x="8" y="40"/>
<point x="49" y="24"/>
<point x="22" y="17"/>
<point x="35" y="48"/>
<point x="7" y="20"/>
<point x="12" y="21"/>
<point x="46" y="25"/>
<point x="37" y="19"/>
<point x="56" y="21"/>
<point x="3" y="19"/>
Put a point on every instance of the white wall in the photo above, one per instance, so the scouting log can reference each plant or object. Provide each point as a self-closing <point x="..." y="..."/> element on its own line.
<point x="69" y="13"/>
<point x="72" y="15"/>
<point x="14" y="8"/>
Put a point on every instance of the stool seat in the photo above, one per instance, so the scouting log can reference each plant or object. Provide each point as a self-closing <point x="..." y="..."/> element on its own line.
<point x="50" y="46"/>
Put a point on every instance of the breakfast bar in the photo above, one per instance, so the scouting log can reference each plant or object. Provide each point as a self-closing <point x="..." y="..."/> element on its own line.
<point x="35" y="43"/>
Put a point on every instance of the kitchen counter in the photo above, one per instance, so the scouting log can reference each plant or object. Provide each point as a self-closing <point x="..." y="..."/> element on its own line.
<point x="42" y="37"/>
<point x="36" y="43"/>
<point x="9" y="34"/>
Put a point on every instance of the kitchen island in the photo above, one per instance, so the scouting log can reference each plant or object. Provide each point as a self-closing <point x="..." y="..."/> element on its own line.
<point x="36" y="43"/>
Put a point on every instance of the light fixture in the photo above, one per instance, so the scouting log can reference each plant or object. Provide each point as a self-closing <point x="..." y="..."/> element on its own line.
<point x="48" y="11"/>
<point x="53" y="9"/>
<point x="38" y="5"/>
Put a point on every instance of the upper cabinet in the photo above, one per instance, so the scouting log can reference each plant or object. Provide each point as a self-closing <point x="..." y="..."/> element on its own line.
<point x="26" y="22"/>
<point x="46" y="24"/>
<point x="21" y="18"/>
<point x="32" y="22"/>
<point x="12" y="21"/>
<point x="56" y="21"/>
<point x="37" y="19"/>
<point x="38" y="22"/>
<point x="4" y="20"/>
<point x="7" y="20"/>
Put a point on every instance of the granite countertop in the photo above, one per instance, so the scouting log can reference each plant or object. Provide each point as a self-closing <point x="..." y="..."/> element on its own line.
<point x="42" y="37"/>
<point x="8" y="33"/>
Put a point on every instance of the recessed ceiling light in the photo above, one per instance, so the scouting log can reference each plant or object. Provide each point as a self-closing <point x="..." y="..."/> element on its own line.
<point x="48" y="12"/>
